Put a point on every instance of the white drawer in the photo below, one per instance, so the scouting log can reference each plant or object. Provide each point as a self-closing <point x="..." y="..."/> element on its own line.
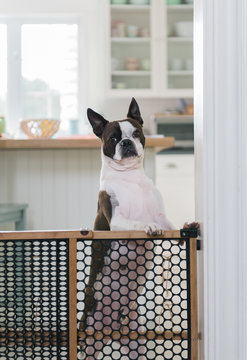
<point x="174" y="165"/>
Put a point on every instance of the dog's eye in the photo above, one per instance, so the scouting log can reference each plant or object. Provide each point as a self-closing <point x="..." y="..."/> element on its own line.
<point x="136" y="133"/>
<point x="113" y="139"/>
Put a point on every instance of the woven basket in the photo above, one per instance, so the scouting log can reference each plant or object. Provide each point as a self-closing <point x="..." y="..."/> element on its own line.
<point x="40" y="128"/>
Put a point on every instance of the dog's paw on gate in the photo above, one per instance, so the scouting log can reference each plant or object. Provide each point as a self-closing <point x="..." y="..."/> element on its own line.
<point x="153" y="229"/>
<point x="188" y="226"/>
<point x="193" y="225"/>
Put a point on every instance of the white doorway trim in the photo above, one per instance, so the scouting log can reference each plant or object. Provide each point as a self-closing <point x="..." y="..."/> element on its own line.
<point x="221" y="175"/>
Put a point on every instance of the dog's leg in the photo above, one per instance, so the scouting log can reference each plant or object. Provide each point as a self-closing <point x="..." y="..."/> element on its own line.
<point x="92" y="349"/>
<point x="117" y="290"/>
<point x="134" y="349"/>
<point x="143" y="254"/>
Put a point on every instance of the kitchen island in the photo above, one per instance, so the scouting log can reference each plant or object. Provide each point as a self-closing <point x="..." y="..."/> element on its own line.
<point x="59" y="178"/>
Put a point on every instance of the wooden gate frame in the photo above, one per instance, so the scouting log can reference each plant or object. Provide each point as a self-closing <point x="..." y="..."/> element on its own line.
<point x="74" y="235"/>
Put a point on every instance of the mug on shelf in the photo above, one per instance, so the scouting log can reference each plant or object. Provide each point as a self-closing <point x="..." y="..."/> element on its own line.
<point x="132" y="31"/>
<point x="188" y="64"/>
<point x="132" y="64"/>
<point x="115" y="64"/>
<point x="146" y="64"/>
<point x="120" y="85"/>
<point x="121" y="28"/>
<point x="144" y="32"/>
<point x="176" y="64"/>
<point x="184" y="28"/>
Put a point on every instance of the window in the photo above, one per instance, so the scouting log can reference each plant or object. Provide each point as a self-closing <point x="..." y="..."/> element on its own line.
<point x="43" y="71"/>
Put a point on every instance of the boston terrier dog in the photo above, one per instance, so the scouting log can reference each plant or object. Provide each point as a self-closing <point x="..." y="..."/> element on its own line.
<point x="128" y="200"/>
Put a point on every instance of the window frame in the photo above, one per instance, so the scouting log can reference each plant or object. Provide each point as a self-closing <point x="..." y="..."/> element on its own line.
<point x="14" y="97"/>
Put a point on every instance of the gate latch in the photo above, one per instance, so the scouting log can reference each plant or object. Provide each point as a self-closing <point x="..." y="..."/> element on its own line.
<point x="189" y="233"/>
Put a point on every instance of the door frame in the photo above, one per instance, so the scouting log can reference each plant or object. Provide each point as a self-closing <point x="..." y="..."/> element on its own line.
<point x="220" y="83"/>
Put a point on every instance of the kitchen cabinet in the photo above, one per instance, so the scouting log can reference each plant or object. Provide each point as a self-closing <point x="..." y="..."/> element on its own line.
<point x="131" y="47"/>
<point x="179" y="126"/>
<point x="175" y="180"/>
<point x="149" y="50"/>
<point x="179" y="48"/>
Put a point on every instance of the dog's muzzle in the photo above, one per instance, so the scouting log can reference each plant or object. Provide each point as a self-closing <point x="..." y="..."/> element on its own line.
<point x="128" y="148"/>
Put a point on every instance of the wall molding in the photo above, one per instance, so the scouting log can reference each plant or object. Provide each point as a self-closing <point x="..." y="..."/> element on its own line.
<point x="221" y="173"/>
<point x="242" y="154"/>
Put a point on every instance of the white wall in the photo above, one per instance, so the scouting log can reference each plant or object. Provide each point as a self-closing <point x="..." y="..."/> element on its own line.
<point x="117" y="108"/>
<point x="46" y="6"/>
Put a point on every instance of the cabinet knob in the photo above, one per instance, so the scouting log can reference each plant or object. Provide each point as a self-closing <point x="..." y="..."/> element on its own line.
<point x="171" y="166"/>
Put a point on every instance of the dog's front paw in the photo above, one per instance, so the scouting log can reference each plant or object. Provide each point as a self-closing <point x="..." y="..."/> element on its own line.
<point x="153" y="229"/>
<point x="193" y="225"/>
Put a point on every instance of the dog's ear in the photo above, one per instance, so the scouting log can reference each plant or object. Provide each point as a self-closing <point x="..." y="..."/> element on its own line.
<point x="134" y="112"/>
<point x="97" y="121"/>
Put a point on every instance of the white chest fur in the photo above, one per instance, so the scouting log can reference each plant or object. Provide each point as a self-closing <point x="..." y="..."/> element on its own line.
<point x="136" y="203"/>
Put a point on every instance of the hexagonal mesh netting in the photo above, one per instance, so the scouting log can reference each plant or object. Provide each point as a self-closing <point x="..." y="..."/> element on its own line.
<point x="78" y="296"/>
<point x="34" y="300"/>
<point x="133" y="299"/>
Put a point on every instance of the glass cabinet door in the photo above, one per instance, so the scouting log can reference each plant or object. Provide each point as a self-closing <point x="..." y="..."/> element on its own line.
<point x="179" y="44"/>
<point x="131" y="66"/>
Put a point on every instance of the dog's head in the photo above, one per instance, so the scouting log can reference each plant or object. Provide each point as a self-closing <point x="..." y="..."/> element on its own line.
<point x="121" y="139"/>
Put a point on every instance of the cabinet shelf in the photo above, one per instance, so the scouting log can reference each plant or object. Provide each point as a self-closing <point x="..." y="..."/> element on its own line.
<point x="182" y="7"/>
<point x="179" y="118"/>
<point x="180" y="39"/>
<point x="129" y="40"/>
<point x="180" y="73"/>
<point x="130" y="8"/>
<point x="131" y="73"/>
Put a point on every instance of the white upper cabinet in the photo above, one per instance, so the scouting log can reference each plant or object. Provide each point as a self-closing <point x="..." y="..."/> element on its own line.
<point x="179" y="48"/>
<point x="131" y="41"/>
<point x="149" y="48"/>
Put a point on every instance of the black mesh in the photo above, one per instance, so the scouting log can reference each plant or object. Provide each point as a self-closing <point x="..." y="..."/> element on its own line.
<point x="133" y="299"/>
<point x="34" y="299"/>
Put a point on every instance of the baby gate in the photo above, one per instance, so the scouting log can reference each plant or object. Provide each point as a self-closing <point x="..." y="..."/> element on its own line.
<point x="145" y="295"/>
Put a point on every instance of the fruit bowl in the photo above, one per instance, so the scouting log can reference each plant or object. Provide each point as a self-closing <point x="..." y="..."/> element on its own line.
<point x="40" y="128"/>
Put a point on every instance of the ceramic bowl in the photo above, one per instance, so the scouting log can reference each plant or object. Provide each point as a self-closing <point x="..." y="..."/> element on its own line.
<point x="40" y="128"/>
<point x="184" y="29"/>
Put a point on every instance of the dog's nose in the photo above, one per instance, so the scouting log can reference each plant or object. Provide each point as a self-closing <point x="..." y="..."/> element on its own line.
<point x="126" y="143"/>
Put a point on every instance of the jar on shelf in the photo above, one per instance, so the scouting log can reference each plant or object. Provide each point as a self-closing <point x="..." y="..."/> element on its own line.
<point x="132" y="64"/>
<point x="132" y="31"/>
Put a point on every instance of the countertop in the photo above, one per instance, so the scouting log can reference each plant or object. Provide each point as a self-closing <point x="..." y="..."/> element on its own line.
<point x="75" y="143"/>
